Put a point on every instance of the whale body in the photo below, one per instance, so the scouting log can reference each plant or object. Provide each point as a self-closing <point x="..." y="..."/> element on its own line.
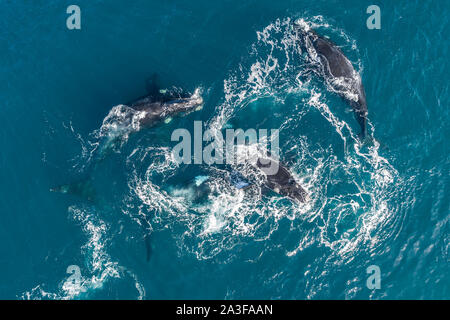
<point x="145" y="112"/>
<point x="338" y="72"/>
<point x="281" y="181"/>
<point x="152" y="112"/>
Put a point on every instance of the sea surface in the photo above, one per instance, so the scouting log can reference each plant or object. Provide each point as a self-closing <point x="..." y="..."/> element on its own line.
<point x="383" y="203"/>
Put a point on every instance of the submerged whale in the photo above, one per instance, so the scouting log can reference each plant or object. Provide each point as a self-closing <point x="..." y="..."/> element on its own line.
<point x="337" y="70"/>
<point x="83" y="188"/>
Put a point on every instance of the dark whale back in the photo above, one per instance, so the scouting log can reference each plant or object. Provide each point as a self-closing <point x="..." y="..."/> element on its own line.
<point x="336" y="65"/>
<point x="282" y="182"/>
<point x="157" y="107"/>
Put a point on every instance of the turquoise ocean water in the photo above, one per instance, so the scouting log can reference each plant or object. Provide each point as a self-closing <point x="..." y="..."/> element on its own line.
<point x="384" y="204"/>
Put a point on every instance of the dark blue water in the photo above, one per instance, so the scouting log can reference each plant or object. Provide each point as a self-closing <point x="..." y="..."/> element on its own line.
<point x="384" y="204"/>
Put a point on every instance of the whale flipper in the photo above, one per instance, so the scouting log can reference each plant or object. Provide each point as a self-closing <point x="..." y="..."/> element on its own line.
<point x="238" y="181"/>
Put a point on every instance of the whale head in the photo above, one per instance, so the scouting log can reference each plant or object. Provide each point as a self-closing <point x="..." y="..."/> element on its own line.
<point x="295" y="191"/>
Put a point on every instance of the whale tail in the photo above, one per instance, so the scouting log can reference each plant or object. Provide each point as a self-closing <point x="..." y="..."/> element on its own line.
<point x="366" y="139"/>
<point x="148" y="246"/>
<point x="370" y="141"/>
<point x="148" y="241"/>
<point x="148" y="232"/>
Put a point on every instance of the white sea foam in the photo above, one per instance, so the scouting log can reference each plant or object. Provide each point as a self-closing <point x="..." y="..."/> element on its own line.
<point x="98" y="269"/>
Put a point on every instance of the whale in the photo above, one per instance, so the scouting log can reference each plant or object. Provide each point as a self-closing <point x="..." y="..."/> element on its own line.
<point x="158" y="106"/>
<point x="162" y="104"/>
<point x="337" y="70"/>
<point x="145" y="112"/>
<point x="281" y="181"/>
<point x="169" y="105"/>
<point x="149" y="111"/>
